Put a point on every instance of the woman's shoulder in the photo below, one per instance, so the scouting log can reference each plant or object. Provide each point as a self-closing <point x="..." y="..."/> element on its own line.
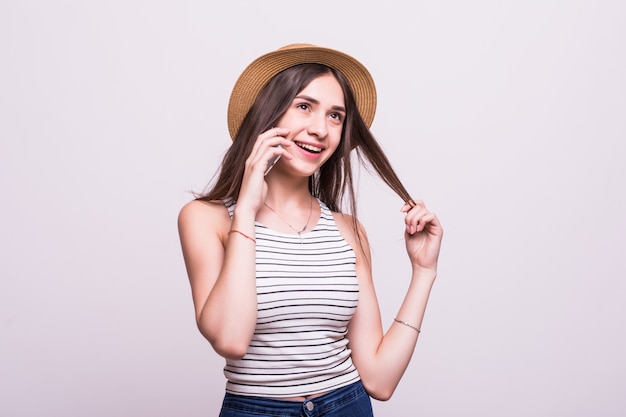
<point x="343" y="219"/>
<point x="203" y="211"/>
<point x="346" y="221"/>
<point x="352" y="230"/>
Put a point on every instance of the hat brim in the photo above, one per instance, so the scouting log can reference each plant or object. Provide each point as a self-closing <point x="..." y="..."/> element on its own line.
<point x="263" y="69"/>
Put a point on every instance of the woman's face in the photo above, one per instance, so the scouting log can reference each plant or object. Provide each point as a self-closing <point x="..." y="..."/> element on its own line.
<point x="315" y="121"/>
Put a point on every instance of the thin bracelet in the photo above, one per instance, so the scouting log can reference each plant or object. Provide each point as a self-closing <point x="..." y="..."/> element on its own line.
<point x="242" y="234"/>
<point x="408" y="325"/>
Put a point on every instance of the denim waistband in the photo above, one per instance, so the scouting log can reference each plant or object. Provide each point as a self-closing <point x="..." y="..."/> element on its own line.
<point x="353" y="397"/>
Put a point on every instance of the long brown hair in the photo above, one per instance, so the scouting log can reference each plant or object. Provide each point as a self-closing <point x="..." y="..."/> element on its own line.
<point x="333" y="183"/>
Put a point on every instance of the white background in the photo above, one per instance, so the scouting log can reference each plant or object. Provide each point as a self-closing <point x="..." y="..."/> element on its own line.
<point x="506" y="117"/>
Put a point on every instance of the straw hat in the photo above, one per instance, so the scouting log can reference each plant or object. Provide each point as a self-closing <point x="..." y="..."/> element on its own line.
<point x="261" y="70"/>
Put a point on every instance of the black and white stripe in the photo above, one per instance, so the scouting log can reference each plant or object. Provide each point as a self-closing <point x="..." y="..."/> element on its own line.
<point x="306" y="293"/>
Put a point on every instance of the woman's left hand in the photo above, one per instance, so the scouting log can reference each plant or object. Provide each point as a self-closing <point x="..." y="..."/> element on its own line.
<point x="423" y="235"/>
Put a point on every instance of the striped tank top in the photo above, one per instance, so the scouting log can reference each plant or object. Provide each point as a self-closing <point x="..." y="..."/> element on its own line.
<point x="307" y="293"/>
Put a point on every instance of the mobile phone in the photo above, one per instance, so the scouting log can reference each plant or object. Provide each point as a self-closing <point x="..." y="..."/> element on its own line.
<point x="272" y="162"/>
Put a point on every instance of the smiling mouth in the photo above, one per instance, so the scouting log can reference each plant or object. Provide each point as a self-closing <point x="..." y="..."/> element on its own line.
<point x="309" y="148"/>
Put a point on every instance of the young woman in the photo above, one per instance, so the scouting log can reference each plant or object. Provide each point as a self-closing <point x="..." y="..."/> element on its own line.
<point x="280" y="273"/>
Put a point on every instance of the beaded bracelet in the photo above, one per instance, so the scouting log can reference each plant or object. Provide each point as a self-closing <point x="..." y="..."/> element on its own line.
<point x="242" y="234"/>
<point x="408" y="325"/>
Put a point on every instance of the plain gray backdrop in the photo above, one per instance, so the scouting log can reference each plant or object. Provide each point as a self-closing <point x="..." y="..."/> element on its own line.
<point x="507" y="117"/>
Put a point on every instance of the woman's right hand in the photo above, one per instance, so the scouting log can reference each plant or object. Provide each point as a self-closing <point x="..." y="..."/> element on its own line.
<point x="253" y="185"/>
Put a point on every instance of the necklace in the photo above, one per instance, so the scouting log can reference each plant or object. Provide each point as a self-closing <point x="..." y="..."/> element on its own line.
<point x="299" y="232"/>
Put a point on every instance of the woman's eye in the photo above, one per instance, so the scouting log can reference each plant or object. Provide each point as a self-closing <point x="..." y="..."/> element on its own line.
<point x="337" y="116"/>
<point x="303" y="106"/>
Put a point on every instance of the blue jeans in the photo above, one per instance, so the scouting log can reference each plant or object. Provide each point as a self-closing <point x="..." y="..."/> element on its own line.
<point x="349" y="401"/>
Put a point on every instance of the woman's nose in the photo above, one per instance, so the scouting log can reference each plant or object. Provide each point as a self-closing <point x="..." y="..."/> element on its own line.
<point x="317" y="126"/>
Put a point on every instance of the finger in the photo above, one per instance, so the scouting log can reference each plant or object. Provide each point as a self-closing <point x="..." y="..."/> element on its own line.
<point x="424" y="221"/>
<point x="275" y="153"/>
<point x="411" y="204"/>
<point x="278" y="131"/>
<point x="272" y="137"/>
<point x="411" y="219"/>
<point x="268" y="146"/>
<point x="414" y="214"/>
<point x="417" y="220"/>
<point x="273" y="133"/>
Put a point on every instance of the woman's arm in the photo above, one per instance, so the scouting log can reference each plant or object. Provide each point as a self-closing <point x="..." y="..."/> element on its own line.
<point x="220" y="253"/>
<point x="382" y="357"/>
<point x="221" y="270"/>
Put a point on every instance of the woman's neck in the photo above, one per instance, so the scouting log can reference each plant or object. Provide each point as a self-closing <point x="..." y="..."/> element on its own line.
<point x="288" y="193"/>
